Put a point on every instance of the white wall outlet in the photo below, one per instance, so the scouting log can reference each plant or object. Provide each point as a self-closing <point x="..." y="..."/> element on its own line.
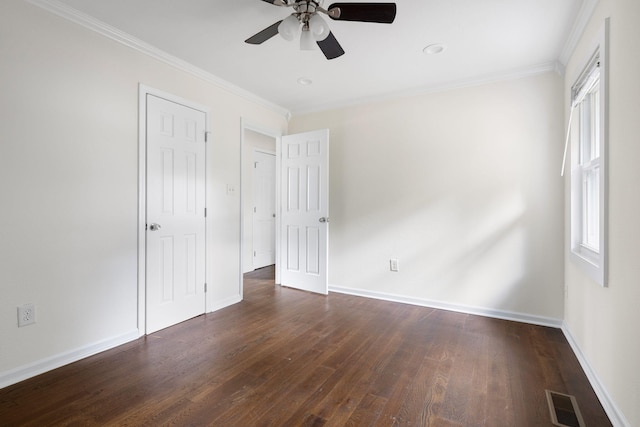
<point x="231" y="190"/>
<point x="394" y="264"/>
<point x="26" y="315"/>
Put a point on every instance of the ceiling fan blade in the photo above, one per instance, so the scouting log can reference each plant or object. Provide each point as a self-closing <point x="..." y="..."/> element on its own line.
<point x="330" y="47"/>
<point x="264" y="35"/>
<point x="383" y="13"/>
<point x="277" y="2"/>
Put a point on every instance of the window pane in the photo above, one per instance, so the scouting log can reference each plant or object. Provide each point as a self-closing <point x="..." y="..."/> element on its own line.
<point x="591" y="209"/>
<point x="585" y="131"/>
<point x="595" y="121"/>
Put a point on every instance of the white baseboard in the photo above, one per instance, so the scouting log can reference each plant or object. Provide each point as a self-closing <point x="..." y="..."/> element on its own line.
<point x="218" y="305"/>
<point x="616" y="417"/>
<point x="480" y="311"/>
<point x="41" y="366"/>
<point x="22" y="373"/>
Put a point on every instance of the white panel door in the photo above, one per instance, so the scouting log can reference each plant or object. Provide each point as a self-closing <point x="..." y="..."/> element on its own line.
<point x="175" y="235"/>
<point x="264" y="209"/>
<point x="305" y="209"/>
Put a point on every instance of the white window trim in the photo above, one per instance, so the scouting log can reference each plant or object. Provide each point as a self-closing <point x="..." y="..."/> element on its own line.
<point x="593" y="263"/>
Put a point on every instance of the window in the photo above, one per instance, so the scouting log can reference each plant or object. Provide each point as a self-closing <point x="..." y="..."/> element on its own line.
<point x="588" y="164"/>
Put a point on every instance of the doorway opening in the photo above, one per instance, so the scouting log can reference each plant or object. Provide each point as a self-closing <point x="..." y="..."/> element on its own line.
<point x="301" y="207"/>
<point x="263" y="195"/>
<point x="258" y="184"/>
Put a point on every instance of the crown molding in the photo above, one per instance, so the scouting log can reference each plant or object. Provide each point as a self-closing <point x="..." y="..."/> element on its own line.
<point x="441" y="87"/>
<point x="582" y="19"/>
<point x="53" y="6"/>
<point x="86" y="21"/>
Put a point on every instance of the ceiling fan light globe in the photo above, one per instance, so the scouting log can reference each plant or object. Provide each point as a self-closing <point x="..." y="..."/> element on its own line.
<point x="307" y="41"/>
<point x="289" y="28"/>
<point x="318" y="27"/>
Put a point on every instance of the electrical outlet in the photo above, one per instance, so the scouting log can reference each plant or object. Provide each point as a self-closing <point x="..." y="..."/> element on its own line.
<point x="394" y="264"/>
<point x="231" y="190"/>
<point x="26" y="315"/>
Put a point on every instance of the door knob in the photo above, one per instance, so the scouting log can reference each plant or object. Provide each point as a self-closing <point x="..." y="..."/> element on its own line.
<point x="323" y="219"/>
<point x="154" y="227"/>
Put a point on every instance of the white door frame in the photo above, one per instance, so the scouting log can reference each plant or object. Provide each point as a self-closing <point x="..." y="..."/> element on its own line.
<point x="246" y="124"/>
<point x="143" y="91"/>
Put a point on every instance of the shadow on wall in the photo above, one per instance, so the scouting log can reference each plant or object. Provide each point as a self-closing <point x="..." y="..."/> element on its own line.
<point x="460" y="252"/>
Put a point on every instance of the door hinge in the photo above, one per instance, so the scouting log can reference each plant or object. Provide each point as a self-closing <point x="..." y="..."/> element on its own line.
<point x="255" y="165"/>
<point x="254" y="253"/>
<point x="205" y="212"/>
<point x="206" y="135"/>
<point x="255" y="209"/>
<point x="205" y="288"/>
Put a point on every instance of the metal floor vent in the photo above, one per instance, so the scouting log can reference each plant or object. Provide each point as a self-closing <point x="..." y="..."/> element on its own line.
<point x="564" y="410"/>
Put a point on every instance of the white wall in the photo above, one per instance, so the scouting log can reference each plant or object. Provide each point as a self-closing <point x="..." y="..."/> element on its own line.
<point x="604" y="321"/>
<point x="69" y="179"/>
<point x="252" y="141"/>
<point x="461" y="186"/>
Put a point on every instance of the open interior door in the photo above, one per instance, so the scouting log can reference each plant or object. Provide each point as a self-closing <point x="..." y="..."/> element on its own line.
<point x="304" y="199"/>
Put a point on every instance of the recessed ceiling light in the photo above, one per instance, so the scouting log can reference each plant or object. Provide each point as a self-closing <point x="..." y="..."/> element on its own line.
<point x="434" y="49"/>
<point x="305" y="81"/>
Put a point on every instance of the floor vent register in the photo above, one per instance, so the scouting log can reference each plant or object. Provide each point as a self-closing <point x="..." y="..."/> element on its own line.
<point x="564" y="410"/>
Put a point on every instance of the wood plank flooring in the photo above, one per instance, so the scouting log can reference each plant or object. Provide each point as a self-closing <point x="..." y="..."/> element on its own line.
<point x="284" y="357"/>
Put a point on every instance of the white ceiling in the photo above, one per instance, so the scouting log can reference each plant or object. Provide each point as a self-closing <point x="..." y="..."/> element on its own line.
<point x="484" y="39"/>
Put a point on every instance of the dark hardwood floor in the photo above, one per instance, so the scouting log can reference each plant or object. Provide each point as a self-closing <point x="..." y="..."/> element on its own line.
<point x="284" y="357"/>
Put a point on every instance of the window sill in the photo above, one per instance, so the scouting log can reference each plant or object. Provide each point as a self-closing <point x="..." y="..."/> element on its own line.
<point x="592" y="263"/>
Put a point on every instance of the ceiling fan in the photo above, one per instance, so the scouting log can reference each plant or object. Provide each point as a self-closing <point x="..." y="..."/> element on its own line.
<point x="306" y="21"/>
